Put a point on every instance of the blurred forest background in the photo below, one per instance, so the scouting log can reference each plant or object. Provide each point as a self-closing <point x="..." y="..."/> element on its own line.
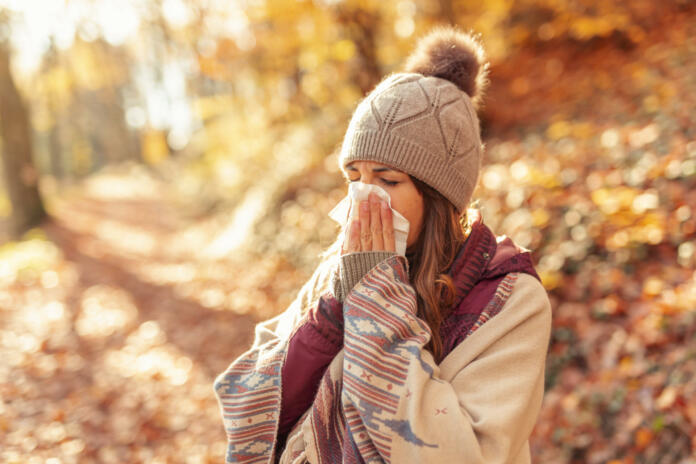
<point x="168" y="167"/>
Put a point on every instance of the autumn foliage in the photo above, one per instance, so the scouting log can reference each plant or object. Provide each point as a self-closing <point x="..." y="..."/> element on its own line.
<point x="165" y="244"/>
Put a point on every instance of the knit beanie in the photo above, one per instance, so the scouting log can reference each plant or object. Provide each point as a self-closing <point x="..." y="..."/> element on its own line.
<point x="423" y="120"/>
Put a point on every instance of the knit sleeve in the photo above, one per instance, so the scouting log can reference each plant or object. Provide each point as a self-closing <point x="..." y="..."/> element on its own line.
<point x="480" y="404"/>
<point x="353" y="266"/>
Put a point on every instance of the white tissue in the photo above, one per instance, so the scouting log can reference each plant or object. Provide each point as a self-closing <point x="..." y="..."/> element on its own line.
<point x="357" y="192"/>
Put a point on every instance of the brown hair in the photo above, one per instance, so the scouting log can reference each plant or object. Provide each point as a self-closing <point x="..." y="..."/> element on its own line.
<point x="444" y="230"/>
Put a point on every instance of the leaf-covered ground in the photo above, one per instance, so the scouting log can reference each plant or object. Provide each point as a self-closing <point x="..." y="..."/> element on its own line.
<point x="594" y="168"/>
<point x="116" y="315"/>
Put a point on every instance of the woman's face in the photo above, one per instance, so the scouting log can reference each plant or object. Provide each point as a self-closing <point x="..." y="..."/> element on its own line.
<point x="405" y="197"/>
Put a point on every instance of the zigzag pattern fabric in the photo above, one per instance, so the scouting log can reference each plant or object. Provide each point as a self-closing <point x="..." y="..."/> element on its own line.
<point x="379" y="401"/>
<point x="249" y="396"/>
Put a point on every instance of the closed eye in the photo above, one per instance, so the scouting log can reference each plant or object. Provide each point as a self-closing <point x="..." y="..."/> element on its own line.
<point x="389" y="183"/>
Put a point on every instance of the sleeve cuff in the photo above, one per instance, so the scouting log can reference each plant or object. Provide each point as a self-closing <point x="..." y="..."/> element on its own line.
<point x="354" y="266"/>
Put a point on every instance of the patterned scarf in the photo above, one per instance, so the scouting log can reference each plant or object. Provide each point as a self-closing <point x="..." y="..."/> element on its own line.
<point x="357" y="414"/>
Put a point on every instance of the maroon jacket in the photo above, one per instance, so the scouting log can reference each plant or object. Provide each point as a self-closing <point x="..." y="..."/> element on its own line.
<point x="479" y="267"/>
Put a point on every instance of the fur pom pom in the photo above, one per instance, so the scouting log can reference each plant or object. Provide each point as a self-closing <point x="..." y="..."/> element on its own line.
<point x="453" y="55"/>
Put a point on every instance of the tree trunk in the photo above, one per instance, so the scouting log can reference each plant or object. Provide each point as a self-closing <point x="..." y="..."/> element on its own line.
<point x="361" y="27"/>
<point x="55" y="143"/>
<point x="21" y="177"/>
<point x="56" y="149"/>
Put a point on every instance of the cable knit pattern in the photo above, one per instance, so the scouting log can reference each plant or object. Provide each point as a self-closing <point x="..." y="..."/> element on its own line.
<point x="424" y="126"/>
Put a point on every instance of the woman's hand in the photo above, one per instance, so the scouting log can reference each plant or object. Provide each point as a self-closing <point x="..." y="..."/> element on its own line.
<point x="373" y="230"/>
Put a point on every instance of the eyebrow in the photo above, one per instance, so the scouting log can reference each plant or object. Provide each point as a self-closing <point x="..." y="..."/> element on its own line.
<point x="353" y="168"/>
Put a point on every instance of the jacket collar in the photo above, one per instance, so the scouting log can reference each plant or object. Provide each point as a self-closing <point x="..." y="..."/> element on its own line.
<point x="482" y="256"/>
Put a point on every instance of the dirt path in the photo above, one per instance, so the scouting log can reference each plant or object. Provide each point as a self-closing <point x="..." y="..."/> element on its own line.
<point x="114" y="332"/>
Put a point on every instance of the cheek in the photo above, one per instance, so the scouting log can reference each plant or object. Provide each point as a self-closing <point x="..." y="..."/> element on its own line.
<point x="399" y="205"/>
<point x="415" y="219"/>
<point x="410" y="206"/>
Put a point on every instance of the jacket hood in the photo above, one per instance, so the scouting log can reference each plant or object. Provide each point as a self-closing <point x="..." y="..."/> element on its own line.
<point x="509" y="257"/>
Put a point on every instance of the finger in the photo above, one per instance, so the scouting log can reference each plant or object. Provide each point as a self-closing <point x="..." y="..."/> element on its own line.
<point x="365" y="234"/>
<point x="376" y="223"/>
<point x="354" y="237"/>
<point x="388" y="227"/>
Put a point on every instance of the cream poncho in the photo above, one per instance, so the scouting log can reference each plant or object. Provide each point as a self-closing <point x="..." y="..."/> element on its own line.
<point x="383" y="398"/>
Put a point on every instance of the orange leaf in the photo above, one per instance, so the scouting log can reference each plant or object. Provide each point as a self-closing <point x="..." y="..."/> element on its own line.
<point x="643" y="437"/>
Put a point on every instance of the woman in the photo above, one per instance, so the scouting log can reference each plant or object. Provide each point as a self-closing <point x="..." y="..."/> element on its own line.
<point x="436" y="356"/>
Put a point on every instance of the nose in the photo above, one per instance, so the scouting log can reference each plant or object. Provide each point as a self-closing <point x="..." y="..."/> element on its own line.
<point x="367" y="176"/>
